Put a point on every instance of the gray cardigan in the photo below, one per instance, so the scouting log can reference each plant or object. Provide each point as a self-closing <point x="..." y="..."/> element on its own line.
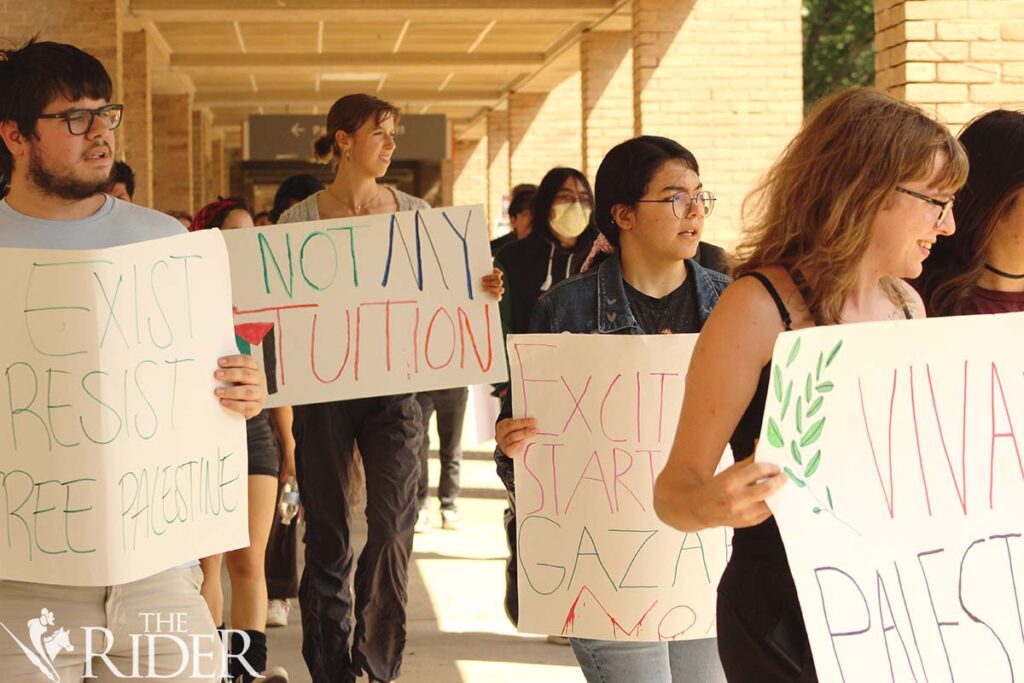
<point x="307" y="209"/>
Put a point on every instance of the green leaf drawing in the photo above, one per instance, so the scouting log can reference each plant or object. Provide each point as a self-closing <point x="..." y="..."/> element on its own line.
<point x="812" y="466"/>
<point x="821" y="359"/>
<point x="828" y="493"/>
<point x="795" y="451"/>
<point x="807" y="389"/>
<point x="785" y="400"/>
<point x="796" y="480"/>
<point x="799" y="414"/>
<point x="817" y="510"/>
<point x="793" y="352"/>
<point x="774" y="435"/>
<point x="815" y="407"/>
<point x="813" y="433"/>
<point x="777" y="382"/>
<point x="833" y="353"/>
<point x="825" y="387"/>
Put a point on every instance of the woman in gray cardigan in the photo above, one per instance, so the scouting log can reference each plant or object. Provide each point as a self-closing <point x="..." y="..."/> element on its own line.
<point x="388" y="429"/>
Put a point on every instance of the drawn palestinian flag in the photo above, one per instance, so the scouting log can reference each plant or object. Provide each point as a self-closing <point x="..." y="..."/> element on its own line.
<point x="260" y="337"/>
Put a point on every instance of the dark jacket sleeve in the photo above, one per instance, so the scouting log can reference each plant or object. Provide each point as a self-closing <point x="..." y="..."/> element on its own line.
<point x="714" y="258"/>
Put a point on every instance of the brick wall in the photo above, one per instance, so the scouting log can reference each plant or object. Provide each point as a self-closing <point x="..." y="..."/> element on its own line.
<point x="172" y="153"/>
<point x="202" y="160"/>
<point x="954" y="58"/>
<point x="92" y="25"/>
<point x="724" y="78"/>
<point x="545" y="130"/>
<point x="218" y="168"/>
<point x="498" y="185"/>
<point x="469" y="172"/>
<point x="606" y="73"/>
<point x="135" y="136"/>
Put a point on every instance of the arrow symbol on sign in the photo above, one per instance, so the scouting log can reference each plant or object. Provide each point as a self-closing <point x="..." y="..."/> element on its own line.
<point x="297" y="130"/>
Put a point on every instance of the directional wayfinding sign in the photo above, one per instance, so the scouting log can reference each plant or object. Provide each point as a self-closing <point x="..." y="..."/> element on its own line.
<point x="276" y="137"/>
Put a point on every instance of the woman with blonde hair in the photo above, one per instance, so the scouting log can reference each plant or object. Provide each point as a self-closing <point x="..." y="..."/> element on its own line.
<point x="851" y="207"/>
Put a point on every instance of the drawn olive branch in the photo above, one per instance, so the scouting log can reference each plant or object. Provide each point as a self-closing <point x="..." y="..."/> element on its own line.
<point x="804" y="427"/>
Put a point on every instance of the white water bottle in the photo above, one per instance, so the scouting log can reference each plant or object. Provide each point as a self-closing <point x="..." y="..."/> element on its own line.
<point x="288" y="503"/>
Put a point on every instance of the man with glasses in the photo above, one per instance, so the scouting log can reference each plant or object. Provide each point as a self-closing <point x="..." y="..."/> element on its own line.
<point x="57" y="150"/>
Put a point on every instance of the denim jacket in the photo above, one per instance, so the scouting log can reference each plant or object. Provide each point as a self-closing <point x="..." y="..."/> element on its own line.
<point x="583" y="306"/>
<point x="595" y="302"/>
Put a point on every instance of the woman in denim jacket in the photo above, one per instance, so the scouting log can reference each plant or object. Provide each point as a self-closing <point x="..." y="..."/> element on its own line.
<point x="650" y="205"/>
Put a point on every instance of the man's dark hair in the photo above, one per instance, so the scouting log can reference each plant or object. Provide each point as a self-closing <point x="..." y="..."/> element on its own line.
<point x="33" y="75"/>
<point x="522" y="195"/>
<point x="626" y="171"/>
<point x="123" y="173"/>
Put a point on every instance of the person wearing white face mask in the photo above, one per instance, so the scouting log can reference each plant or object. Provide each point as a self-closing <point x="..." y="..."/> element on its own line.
<point x="563" y="233"/>
<point x="562" y="236"/>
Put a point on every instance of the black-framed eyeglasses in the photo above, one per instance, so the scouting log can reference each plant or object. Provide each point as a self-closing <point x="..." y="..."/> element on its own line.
<point x="568" y="197"/>
<point x="80" y="120"/>
<point x="944" y="206"/>
<point x="682" y="203"/>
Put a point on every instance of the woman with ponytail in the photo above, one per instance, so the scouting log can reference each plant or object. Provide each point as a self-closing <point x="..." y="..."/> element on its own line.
<point x="360" y="139"/>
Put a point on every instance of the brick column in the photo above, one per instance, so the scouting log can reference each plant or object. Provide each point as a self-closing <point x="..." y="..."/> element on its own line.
<point x="135" y="136"/>
<point x="606" y="71"/>
<point x="498" y="186"/>
<point x="202" y="158"/>
<point x="92" y="25"/>
<point x="544" y="131"/>
<point x="724" y="78"/>
<point x="469" y="172"/>
<point x="172" y="153"/>
<point x="954" y="59"/>
<point x="218" y="168"/>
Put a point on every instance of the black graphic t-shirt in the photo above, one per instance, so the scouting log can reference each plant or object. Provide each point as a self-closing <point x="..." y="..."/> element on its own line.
<point x="674" y="313"/>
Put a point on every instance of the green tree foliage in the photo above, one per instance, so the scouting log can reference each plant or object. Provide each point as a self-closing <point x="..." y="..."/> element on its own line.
<point x="839" y="46"/>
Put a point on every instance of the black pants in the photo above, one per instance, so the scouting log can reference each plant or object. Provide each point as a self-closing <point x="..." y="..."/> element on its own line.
<point x="450" y="405"/>
<point x="506" y="472"/>
<point x="761" y="633"/>
<point x="388" y="431"/>
<point x="281" y="560"/>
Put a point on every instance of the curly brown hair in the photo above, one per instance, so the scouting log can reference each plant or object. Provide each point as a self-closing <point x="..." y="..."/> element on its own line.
<point x="814" y="209"/>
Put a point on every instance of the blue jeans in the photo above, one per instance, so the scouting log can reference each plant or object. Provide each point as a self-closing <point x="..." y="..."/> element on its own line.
<point x="679" y="661"/>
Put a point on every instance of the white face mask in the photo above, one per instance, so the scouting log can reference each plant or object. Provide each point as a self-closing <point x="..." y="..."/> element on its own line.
<point x="570" y="219"/>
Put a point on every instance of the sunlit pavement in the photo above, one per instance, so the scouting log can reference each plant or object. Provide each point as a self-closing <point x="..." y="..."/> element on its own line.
<point x="457" y="625"/>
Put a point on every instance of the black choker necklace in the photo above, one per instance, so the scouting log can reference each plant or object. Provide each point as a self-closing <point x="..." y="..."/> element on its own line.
<point x="1002" y="273"/>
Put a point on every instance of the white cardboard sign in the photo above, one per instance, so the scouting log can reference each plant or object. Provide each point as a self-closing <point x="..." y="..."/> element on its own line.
<point x="594" y="559"/>
<point x="369" y="305"/>
<point x="116" y="460"/>
<point x="903" y="516"/>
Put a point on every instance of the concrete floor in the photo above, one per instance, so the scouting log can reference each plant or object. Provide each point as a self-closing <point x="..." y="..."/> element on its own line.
<point x="457" y="626"/>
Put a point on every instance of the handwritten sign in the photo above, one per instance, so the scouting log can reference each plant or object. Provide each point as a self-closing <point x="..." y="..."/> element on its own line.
<point x="594" y="559"/>
<point x="116" y="461"/>
<point x="367" y="306"/>
<point x="904" y="512"/>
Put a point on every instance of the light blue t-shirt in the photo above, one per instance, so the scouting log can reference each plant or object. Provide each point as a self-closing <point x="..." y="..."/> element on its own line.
<point x="116" y="223"/>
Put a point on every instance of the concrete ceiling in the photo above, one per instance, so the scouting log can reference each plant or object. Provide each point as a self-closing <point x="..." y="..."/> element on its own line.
<point x="453" y="57"/>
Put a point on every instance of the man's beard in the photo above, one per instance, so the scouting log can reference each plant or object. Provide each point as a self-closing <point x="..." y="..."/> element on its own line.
<point x="65" y="187"/>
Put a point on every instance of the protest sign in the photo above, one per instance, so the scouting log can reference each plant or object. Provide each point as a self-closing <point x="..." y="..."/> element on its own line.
<point x="594" y="559"/>
<point x="117" y="461"/>
<point x="368" y="305"/>
<point x="903" y="513"/>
